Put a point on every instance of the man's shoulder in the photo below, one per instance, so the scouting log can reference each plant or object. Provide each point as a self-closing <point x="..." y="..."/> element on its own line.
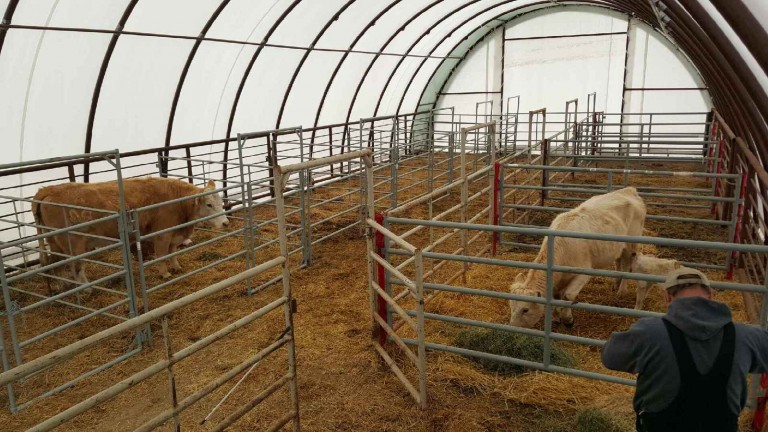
<point x="649" y="324"/>
<point x="749" y="331"/>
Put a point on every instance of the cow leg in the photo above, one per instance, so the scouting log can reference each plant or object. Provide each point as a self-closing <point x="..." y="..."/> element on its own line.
<point x="570" y="293"/>
<point x="623" y="263"/>
<point x="175" y="266"/>
<point x="54" y="256"/>
<point x="161" y="244"/>
<point x="642" y="293"/>
<point x="79" y="247"/>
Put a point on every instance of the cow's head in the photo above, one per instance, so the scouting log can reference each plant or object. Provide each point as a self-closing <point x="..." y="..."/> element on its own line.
<point x="523" y="313"/>
<point x="211" y="204"/>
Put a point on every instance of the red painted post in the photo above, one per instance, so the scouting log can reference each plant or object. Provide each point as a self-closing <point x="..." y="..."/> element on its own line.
<point x="496" y="207"/>
<point x="544" y="172"/>
<point x="381" y="277"/>
<point x="758" y="421"/>
<point x="712" y="138"/>
<point x="737" y="231"/>
<point x="719" y="170"/>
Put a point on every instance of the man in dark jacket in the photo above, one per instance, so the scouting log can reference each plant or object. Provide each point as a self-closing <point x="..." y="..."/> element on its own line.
<point x="692" y="364"/>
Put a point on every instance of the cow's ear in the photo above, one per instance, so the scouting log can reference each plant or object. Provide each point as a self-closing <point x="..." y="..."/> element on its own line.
<point x="519" y="278"/>
<point x="210" y="186"/>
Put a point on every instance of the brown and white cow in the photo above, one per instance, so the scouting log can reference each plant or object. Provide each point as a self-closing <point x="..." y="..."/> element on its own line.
<point x="621" y="212"/>
<point x="140" y="192"/>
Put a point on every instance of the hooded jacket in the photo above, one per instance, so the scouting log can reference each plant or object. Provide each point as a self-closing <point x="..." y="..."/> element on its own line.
<point x="645" y="349"/>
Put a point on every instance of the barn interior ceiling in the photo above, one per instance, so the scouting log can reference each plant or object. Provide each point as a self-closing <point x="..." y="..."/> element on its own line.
<point x="379" y="41"/>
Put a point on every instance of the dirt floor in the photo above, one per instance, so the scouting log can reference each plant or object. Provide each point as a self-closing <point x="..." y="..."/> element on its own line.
<point x="342" y="383"/>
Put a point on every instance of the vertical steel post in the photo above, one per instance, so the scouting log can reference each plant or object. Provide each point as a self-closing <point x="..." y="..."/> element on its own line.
<point x="394" y="160"/>
<point x="135" y="222"/>
<point x="708" y="127"/>
<point x="421" y="348"/>
<point x="712" y="145"/>
<point x="188" y="154"/>
<point x="246" y="196"/>
<point x="464" y="199"/>
<point x="431" y="167"/>
<point x="124" y="229"/>
<point x="7" y="367"/>
<point x="171" y="376"/>
<point x="624" y="86"/>
<point x="249" y="233"/>
<point x="492" y="186"/>
<point x="287" y="293"/>
<point x="548" y="297"/>
<point x="496" y="208"/>
<point x="451" y="145"/>
<point x="305" y="240"/>
<point x="10" y="313"/>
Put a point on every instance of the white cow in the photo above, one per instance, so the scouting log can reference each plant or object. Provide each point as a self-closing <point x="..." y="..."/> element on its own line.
<point x="650" y="265"/>
<point x="621" y="212"/>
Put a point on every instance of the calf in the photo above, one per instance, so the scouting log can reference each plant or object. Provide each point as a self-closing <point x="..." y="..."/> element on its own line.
<point x="650" y="265"/>
<point x="139" y="193"/>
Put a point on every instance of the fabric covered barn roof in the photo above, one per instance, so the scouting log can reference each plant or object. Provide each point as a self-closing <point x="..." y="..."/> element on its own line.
<point x="86" y="75"/>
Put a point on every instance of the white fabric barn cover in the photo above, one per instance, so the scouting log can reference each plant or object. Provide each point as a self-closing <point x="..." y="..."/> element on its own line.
<point x="80" y="76"/>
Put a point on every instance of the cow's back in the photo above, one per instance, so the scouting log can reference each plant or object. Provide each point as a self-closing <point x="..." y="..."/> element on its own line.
<point x="105" y="196"/>
<point x="617" y="213"/>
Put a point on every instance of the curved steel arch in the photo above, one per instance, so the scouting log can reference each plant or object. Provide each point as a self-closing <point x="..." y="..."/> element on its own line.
<point x="183" y="76"/>
<point x="100" y="81"/>
<point x="413" y="45"/>
<point x="296" y="70"/>
<point x="546" y="5"/>
<point x="723" y="78"/>
<point x="744" y="77"/>
<point x="722" y="75"/>
<point x="740" y="18"/>
<point x="344" y="58"/>
<point x="457" y="28"/>
<point x="246" y="73"/>
<point x="376" y="57"/>
<point x="10" y="9"/>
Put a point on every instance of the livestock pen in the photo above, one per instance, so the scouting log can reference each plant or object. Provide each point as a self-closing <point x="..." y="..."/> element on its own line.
<point x="431" y="284"/>
<point x="425" y="174"/>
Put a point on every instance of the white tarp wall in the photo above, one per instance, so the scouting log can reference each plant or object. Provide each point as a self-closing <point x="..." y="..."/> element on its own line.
<point x="551" y="56"/>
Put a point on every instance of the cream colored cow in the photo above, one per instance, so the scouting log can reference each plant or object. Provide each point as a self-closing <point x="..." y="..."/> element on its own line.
<point x="621" y="212"/>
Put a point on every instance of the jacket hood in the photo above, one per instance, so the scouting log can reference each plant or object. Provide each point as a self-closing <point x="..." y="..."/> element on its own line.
<point x="698" y="317"/>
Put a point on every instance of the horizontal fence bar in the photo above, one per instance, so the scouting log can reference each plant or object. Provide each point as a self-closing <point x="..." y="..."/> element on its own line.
<point x="659" y="241"/>
<point x="69" y="351"/>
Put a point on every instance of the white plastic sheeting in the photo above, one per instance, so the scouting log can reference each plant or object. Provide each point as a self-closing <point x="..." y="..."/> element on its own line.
<point x="48" y="77"/>
<point x="547" y="71"/>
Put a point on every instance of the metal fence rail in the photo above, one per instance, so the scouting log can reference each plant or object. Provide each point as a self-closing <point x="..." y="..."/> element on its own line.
<point x="161" y="314"/>
<point x="520" y="194"/>
<point x="400" y="275"/>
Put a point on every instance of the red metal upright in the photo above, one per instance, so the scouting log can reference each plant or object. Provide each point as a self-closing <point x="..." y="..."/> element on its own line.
<point x="381" y="277"/>
<point x="758" y="421"/>
<point x="721" y="148"/>
<point x="737" y="231"/>
<point x="495" y="206"/>
<point x="713" y="143"/>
